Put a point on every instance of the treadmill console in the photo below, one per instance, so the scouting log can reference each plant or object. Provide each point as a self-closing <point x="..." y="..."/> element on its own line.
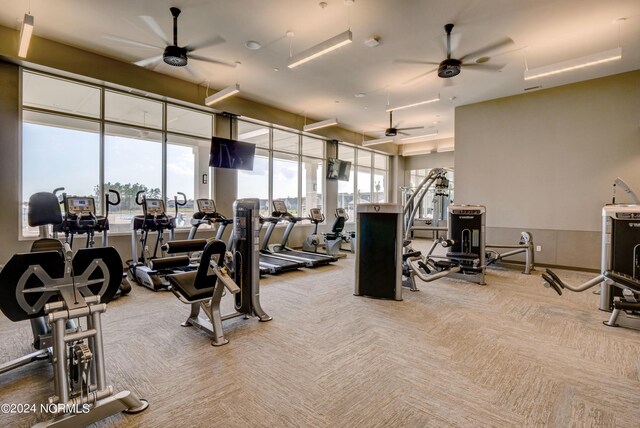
<point x="81" y="206"/>
<point x="154" y="207"/>
<point x="316" y="214"/>
<point x="279" y="206"/>
<point x="206" y="206"/>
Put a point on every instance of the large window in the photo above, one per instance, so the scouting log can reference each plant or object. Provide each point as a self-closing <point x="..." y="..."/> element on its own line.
<point x="255" y="184"/>
<point x="285" y="180"/>
<point x="367" y="181"/>
<point x="287" y="166"/>
<point x="73" y="131"/>
<point x="58" y="151"/>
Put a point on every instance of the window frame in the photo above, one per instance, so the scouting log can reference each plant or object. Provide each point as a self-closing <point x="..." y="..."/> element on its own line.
<point x="298" y="154"/>
<point x="103" y="123"/>
<point x="372" y="170"/>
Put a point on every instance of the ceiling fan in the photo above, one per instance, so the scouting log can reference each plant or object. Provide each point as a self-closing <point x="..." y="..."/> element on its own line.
<point x="173" y="54"/>
<point x="450" y="66"/>
<point x="392" y="130"/>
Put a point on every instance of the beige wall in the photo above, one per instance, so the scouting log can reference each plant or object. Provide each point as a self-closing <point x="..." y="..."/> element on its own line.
<point x="547" y="160"/>
<point x="430" y="160"/>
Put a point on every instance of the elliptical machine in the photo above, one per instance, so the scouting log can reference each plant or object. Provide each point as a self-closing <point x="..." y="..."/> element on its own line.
<point x="149" y="268"/>
<point x="80" y="218"/>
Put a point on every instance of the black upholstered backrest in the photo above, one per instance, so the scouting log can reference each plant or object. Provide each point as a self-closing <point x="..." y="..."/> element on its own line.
<point x="44" y="209"/>
<point x="203" y="279"/>
<point x="338" y="225"/>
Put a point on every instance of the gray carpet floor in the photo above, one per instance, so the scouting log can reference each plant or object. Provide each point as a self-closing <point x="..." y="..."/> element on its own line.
<point x="455" y="354"/>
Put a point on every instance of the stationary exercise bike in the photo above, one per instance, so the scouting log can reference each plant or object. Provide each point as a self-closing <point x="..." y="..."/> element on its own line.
<point x="80" y="218"/>
<point x="332" y="241"/>
<point x="149" y="269"/>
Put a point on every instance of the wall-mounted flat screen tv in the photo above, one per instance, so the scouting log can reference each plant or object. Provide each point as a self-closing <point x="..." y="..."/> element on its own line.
<point x="338" y="169"/>
<point x="232" y="154"/>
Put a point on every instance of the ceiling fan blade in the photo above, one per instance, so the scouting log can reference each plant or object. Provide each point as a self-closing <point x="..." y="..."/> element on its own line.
<point x="205" y="44"/>
<point x="155" y="27"/>
<point x="410" y="128"/>
<point x="484" y="66"/>
<point x="129" y="41"/>
<point x="502" y="43"/>
<point x="419" y="77"/>
<point x="413" y="61"/>
<point x="148" y="61"/>
<point x="194" y="73"/>
<point x="213" y="61"/>
<point x="403" y="133"/>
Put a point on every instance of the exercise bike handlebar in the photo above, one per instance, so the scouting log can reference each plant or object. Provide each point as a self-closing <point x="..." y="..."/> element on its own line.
<point x="179" y="204"/>
<point x="108" y="201"/>
<point x="138" y="200"/>
<point x="184" y="199"/>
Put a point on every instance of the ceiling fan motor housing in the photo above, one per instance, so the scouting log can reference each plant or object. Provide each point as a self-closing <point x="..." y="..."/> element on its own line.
<point x="175" y="55"/>
<point x="449" y="68"/>
<point x="390" y="132"/>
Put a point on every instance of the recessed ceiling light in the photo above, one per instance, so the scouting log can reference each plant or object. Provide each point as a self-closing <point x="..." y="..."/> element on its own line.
<point x="360" y="95"/>
<point x="276" y="69"/>
<point x="290" y="33"/>
<point x="253" y="45"/>
<point x="482" y="60"/>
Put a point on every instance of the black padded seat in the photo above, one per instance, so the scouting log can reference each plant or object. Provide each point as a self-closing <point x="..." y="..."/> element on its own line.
<point x="463" y="256"/>
<point x="445" y="264"/>
<point x="406" y="256"/>
<point x="199" y="284"/>
<point x="185" y="285"/>
<point x="624" y="280"/>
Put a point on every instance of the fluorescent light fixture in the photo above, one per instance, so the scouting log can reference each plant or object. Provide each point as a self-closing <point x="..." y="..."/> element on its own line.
<point x="25" y="35"/>
<point x="252" y="134"/>
<point x="377" y="141"/>
<point x="417" y="137"/>
<point x="445" y="149"/>
<point x="225" y="93"/>
<point x="574" y="64"/>
<point x="321" y="49"/>
<point x="321" y="124"/>
<point x="413" y="105"/>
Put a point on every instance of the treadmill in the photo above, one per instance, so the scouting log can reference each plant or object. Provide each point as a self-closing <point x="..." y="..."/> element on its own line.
<point x="272" y="263"/>
<point x="309" y="259"/>
<point x="208" y="214"/>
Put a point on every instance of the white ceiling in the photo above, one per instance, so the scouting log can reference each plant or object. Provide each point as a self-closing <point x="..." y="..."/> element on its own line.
<point x="545" y="31"/>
